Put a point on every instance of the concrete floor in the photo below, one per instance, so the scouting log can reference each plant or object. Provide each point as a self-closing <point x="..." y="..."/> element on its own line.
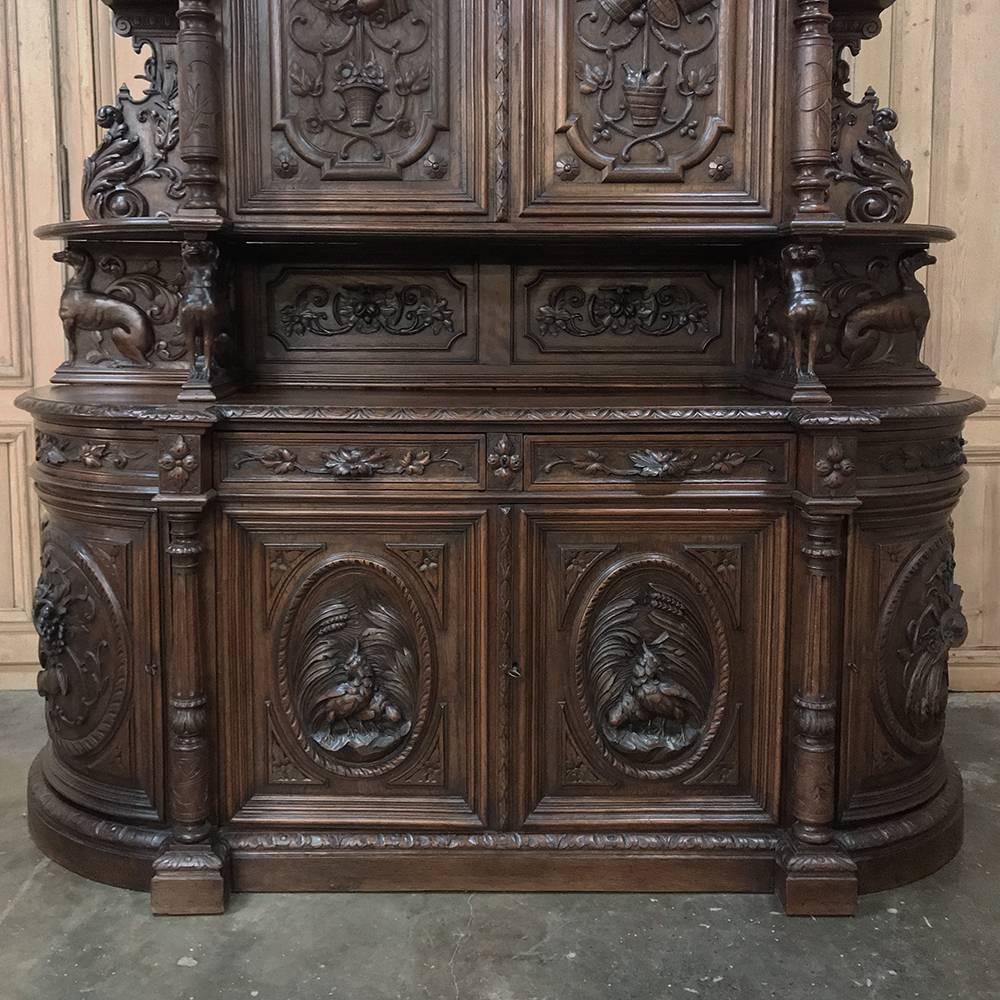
<point x="63" y="938"/>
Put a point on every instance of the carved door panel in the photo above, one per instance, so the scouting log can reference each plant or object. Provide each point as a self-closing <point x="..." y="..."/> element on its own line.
<point x="652" y="686"/>
<point x="361" y="107"/>
<point x="364" y="670"/>
<point x="647" y="107"/>
<point x="905" y="617"/>
<point x="99" y="673"/>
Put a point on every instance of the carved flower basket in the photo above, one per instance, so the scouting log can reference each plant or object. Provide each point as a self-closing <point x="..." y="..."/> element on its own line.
<point x="620" y="9"/>
<point x="645" y="102"/>
<point x="361" y="99"/>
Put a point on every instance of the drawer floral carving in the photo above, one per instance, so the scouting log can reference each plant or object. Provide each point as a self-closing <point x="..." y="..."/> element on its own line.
<point x="362" y="460"/>
<point x="622" y="311"/>
<point x="552" y="462"/>
<point x="369" y="310"/>
<point x="365" y="309"/>
<point x="93" y="455"/>
<point x="618" y="313"/>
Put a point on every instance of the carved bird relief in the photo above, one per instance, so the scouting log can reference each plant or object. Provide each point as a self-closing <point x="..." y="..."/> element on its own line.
<point x="358" y="680"/>
<point x="650" y="667"/>
<point x="873" y="330"/>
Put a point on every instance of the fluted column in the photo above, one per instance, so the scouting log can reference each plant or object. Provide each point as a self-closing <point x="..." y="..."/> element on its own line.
<point x="191" y="874"/>
<point x="814" y="877"/>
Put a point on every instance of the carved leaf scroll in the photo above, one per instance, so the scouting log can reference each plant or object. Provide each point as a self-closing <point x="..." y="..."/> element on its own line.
<point x="134" y="171"/>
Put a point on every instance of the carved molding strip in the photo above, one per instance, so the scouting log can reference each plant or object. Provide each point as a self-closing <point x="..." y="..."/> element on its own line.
<point x="267" y="840"/>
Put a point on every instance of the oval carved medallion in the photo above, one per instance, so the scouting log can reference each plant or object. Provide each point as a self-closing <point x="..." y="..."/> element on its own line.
<point x="82" y="648"/>
<point x="354" y="673"/>
<point x="920" y="622"/>
<point x="652" y="668"/>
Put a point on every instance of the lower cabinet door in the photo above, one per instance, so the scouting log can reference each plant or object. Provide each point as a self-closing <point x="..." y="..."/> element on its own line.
<point x="651" y="687"/>
<point x="352" y="669"/>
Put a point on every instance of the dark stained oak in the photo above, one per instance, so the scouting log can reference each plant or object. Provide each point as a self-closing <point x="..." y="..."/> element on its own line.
<point x="494" y="452"/>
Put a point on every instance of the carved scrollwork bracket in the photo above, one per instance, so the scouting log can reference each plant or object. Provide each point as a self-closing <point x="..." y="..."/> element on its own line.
<point x="871" y="181"/>
<point x="135" y="171"/>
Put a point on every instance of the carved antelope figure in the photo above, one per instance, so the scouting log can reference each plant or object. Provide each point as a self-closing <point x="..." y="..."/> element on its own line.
<point x="201" y="313"/>
<point x="80" y="308"/>
<point x="903" y="312"/>
<point x="806" y="312"/>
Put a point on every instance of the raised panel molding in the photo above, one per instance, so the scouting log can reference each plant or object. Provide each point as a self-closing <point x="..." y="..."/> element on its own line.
<point x="19" y="530"/>
<point x="627" y="127"/>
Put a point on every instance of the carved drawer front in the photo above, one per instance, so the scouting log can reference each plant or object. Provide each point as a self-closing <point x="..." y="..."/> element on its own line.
<point x="653" y="683"/>
<point x="362" y="108"/>
<point x="555" y="461"/>
<point x="671" y="316"/>
<point x="891" y="460"/>
<point x="99" y="458"/>
<point x="319" y="320"/>
<point x="905" y="610"/>
<point x="100" y="675"/>
<point x="356" y="461"/>
<point x="647" y="107"/>
<point x="363" y="671"/>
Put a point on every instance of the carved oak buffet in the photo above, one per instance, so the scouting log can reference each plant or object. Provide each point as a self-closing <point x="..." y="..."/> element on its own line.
<point x="493" y="451"/>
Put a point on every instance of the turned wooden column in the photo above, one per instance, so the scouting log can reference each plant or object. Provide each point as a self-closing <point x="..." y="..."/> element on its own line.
<point x="813" y="59"/>
<point x="190" y="875"/>
<point x="198" y="60"/>
<point x="814" y="876"/>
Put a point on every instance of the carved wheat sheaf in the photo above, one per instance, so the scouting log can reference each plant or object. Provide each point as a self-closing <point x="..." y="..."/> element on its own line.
<point x="354" y="667"/>
<point x="652" y="668"/>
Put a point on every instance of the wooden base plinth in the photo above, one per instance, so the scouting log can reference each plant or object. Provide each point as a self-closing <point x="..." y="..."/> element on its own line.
<point x="812" y="883"/>
<point x="190" y="881"/>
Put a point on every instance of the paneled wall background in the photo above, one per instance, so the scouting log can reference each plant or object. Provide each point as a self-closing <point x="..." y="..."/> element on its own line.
<point x="934" y="62"/>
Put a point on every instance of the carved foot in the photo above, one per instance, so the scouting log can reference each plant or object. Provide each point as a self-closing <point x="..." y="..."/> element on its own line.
<point x="190" y="880"/>
<point x="815" y="880"/>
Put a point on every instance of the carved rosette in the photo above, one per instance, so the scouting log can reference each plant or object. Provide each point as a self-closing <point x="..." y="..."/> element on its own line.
<point x="920" y="622"/>
<point x="354" y="667"/>
<point x="83" y="648"/>
<point x="652" y="668"/>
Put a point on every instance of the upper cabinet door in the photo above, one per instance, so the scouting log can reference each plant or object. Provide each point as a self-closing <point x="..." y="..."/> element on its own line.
<point x="360" y="106"/>
<point x="647" y="108"/>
